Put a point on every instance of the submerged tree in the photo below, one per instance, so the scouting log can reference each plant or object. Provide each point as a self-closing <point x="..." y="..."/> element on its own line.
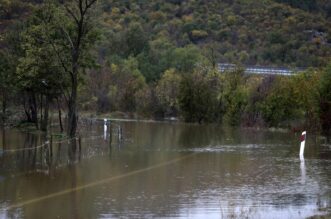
<point x="56" y="45"/>
<point x="7" y="71"/>
<point x="38" y="71"/>
<point x="78" y="35"/>
<point x="66" y="34"/>
<point x="9" y="53"/>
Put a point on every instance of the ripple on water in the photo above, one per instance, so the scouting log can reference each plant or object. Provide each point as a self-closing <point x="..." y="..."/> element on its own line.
<point x="246" y="148"/>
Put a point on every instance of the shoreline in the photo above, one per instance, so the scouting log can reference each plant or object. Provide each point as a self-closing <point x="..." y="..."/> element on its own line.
<point x="16" y="121"/>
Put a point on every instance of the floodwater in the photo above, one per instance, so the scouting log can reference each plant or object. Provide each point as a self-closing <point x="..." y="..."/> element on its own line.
<point x="164" y="170"/>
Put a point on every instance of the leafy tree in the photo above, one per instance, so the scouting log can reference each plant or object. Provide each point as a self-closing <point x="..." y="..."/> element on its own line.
<point x="167" y="92"/>
<point x="306" y="91"/>
<point x="134" y="82"/>
<point x="253" y="112"/>
<point x="11" y="52"/>
<point x="198" y="35"/>
<point x="72" y="34"/>
<point x="325" y="100"/>
<point x="234" y="97"/>
<point x="211" y="52"/>
<point x="127" y="81"/>
<point x="157" y="59"/>
<point x="197" y="99"/>
<point x="7" y="81"/>
<point x="278" y="106"/>
<point x="38" y="72"/>
<point x="136" y="39"/>
<point x="186" y="59"/>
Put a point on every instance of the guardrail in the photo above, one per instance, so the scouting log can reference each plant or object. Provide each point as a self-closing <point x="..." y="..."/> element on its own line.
<point x="224" y="67"/>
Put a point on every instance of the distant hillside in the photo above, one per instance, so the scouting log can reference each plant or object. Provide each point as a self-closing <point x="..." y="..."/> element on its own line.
<point x="265" y="32"/>
<point x="244" y="31"/>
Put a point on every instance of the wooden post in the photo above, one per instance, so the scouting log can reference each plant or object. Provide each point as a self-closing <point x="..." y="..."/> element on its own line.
<point x="80" y="144"/>
<point x="51" y="146"/>
<point x="110" y="134"/>
<point x="105" y="129"/>
<point x="120" y="133"/>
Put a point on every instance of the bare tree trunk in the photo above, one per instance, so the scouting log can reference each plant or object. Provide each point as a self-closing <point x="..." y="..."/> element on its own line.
<point x="44" y="126"/>
<point x="72" y="111"/>
<point x="26" y="110"/>
<point x="60" y="114"/>
<point x="4" y="107"/>
<point x="41" y="111"/>
<point x="81" y="20"/>
<point x="33" y="108"/>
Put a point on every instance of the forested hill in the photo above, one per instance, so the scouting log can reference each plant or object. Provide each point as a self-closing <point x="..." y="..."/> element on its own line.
<point x="265" y="32"/>
<point x="251" y="32"/>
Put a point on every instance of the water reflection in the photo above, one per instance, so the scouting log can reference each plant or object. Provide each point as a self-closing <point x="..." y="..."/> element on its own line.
<point x="39" y="154"/>
<point x="303" y="170"/>
<point x="73" y="195"/>
<point x="218" y="172"/>
<point x="105" y="131"/>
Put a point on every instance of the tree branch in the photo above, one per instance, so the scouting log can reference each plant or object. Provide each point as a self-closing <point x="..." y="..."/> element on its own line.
<point x="91" y="3"/>
<point x="88" y="5"/>
<point x="72" y="14"/>
<point x="68" y="37"/>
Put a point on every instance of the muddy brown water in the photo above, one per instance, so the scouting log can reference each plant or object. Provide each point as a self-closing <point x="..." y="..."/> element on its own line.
<point x="164" y="170"/>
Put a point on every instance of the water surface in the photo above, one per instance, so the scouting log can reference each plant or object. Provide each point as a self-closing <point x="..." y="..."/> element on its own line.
<point x="164" y="170"/>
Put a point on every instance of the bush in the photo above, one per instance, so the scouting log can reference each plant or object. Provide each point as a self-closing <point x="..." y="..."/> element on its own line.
<point x="197" y="98"/>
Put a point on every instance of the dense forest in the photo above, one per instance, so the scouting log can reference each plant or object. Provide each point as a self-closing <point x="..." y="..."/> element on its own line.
<point x="159" y="59"/>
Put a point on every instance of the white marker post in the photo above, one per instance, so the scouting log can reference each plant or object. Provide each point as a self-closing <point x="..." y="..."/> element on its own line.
<point x="302" y="146"/>
<point x="105" y="129"/>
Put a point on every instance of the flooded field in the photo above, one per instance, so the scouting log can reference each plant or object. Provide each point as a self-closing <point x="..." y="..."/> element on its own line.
<point x="164" y="170"/>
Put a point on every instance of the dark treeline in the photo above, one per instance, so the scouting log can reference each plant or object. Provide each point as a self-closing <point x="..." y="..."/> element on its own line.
<point x="159" y="59"/>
